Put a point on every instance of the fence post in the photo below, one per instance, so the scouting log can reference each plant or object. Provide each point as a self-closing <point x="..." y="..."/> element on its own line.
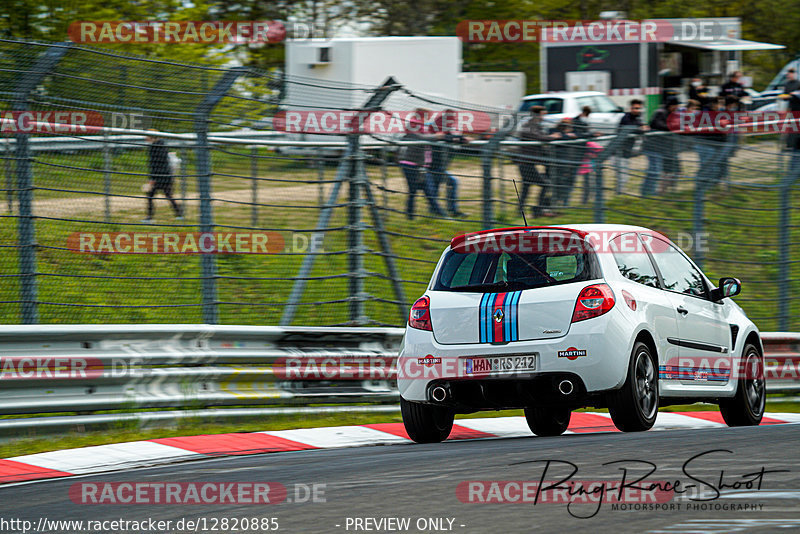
<point x="254" y="175"/>
<point x="384" y="177"/>
<point x="612" y="152"/>
<point x="487" y="158"/>
<point x="9" y="176"/>
<point x="344" y="170"/>
<point x="355" y="233"/>
<point x="784" y="275"/>
<point x="208" y="261"/>
<point x="27" y="237"/>
<point x="107" y="175"/>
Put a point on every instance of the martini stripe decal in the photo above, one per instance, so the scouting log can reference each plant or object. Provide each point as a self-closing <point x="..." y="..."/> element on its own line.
<point x="498" y="317"/>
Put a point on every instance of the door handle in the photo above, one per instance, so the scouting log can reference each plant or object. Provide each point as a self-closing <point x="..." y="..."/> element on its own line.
<point x="682" y="310"/>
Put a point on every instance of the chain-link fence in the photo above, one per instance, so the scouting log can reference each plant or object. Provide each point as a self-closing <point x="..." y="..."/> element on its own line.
<point x="352" y="232"/>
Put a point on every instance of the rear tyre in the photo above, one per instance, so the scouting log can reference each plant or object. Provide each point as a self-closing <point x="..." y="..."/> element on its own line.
<point x="746" y="408"/>
<point x="547" y="421"/>
<point x="426" y="423"/>
<point x="634" y="407"/>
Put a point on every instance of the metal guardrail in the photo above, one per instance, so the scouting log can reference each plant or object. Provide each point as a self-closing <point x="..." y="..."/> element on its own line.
<point x="90" y="368"/>
<point x="85" y="368"/>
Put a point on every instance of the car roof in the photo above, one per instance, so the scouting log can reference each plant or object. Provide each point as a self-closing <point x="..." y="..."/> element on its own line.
<point x="563" y="94"/>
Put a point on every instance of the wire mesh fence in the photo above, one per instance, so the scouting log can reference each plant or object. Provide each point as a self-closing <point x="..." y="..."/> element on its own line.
<point x="329" y="230"/>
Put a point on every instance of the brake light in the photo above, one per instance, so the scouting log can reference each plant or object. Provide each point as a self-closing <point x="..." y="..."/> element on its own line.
<point x="593" y="301"/>
<point x="420" y="316"/>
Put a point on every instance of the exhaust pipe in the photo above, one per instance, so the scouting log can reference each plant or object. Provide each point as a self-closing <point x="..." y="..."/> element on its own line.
<point x="566" y="387"/>
<point x="439" y="394"/>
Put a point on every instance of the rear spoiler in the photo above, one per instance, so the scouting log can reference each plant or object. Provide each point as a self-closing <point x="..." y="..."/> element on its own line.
<point x="465" y="241"/>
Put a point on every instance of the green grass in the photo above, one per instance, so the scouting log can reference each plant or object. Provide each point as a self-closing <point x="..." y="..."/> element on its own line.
<point x="742" y="224"/>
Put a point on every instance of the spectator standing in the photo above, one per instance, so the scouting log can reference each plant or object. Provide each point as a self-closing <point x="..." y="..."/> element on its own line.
<point x="733" y="87"/>
<point x="657" y="147"/>
<point x="731" y="143"/>
<point x="630" y="126"/>
<point x="412" y="161"/>
<point x="160" y="176"/>
<point x="699" y="92"/>
<point x="710" y="146"/>
<point x="791" y="90"/>
<point x="528" y="157"/>
<point x="568" y="159"/>
<point x="441" y="154"/>
<point x="580" y="126"/>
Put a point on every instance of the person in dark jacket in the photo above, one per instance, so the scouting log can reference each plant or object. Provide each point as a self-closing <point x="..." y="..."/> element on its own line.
<point x="657" y="147"/>
<point x="441" y="154"/>
<point x="528" y="157"/>
<point x="710" y="146"/>
<point x="699" y="91"/>
<point x="160" y="176"/>
<point x="568" y="159"/>
<point x="630" y="126"/>
<point x="413" y="163"/>
<point x="734" y="88"/>
<point x="791" y="92"/>
<point x="731" y="143"/>
<point x="580" y="125"/>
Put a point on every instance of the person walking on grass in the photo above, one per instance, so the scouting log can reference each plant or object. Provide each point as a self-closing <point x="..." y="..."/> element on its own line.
<point x="160" y="176"/>
<point x="441" y="154"/>
<point x="413" y="161"/>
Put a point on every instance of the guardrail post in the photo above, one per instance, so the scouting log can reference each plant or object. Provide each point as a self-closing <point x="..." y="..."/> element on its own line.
<point x="784" y="216"/>
<point x="208" y="261"/>
<point x="27" y="237"/>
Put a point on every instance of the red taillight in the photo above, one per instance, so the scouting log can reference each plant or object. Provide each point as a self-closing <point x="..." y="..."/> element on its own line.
<point x="420" y="316"/>
<point x="592" y="302"/>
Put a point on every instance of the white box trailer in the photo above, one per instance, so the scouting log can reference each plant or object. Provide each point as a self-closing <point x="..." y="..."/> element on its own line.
<point x="501" y="90"/>
<point x="426" y="65"/>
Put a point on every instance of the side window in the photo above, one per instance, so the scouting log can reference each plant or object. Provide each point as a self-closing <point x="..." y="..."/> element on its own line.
<point x="604" y="104"/>
<point x="677" y="272"/>
<point x="632" y="260"/>
<point x="586" y="101"/>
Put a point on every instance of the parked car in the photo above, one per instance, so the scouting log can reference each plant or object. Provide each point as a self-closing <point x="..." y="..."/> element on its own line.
<point x="568" y="104"/>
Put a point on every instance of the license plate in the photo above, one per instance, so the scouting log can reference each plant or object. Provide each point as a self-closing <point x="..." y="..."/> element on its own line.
<point x="499" y="364"/>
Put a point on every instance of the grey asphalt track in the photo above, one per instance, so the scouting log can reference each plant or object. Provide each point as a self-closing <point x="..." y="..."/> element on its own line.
<point x="419" y="482"/>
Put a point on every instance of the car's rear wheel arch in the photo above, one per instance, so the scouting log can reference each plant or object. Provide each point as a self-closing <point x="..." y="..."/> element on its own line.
<point x="647" y="338"/>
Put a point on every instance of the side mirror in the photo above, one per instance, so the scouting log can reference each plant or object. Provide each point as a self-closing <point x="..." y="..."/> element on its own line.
<point x="620" y="110"/>
<point x="728" y="287"/>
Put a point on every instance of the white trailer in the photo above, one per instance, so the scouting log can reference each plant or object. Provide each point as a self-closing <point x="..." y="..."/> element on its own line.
<point x="501" y="90"/>
<point x="426" y="65"/>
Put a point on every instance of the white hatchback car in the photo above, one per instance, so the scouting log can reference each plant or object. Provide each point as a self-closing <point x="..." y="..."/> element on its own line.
<point x="551" y="319"/>
<point x="605" y="114"/>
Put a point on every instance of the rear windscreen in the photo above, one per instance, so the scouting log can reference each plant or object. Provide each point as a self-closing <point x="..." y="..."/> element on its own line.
<point x="509" y="271"/>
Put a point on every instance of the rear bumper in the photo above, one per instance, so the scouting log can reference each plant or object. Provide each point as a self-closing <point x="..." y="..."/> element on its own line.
<point x="423" y="364"/>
